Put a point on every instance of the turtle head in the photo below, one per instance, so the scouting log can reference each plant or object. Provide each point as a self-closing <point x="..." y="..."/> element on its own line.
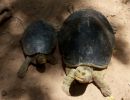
<point x="83" y="74"/>
<point x="41" y="59"/>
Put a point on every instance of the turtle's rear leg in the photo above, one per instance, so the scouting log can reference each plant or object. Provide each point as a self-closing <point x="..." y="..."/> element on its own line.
<point x="98" y="79"/>
<point x="5" y="13"/>
<point x="68" y="80"/>
<point x="24" y="67"/>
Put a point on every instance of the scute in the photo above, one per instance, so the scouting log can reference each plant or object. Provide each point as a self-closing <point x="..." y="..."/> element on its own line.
<point x="86" y="38"/>
<point x="39" y="37"/>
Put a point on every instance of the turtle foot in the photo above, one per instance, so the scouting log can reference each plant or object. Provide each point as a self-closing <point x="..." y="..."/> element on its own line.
<point x="106" y="91"/>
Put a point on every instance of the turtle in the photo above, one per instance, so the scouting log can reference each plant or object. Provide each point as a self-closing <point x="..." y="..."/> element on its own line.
<point x="38" y="44"/>
<point x="5" y="13"/>
<point x="86" y="42"/>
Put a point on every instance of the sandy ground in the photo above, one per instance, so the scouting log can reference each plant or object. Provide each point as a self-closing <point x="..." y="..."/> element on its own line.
<point x="46" y="85"/>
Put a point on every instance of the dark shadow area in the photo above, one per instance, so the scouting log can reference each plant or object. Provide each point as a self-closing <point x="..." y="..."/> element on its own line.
<point x="5" y="13"/>
<point x="41" y="68"/>
<point x="77" y="88"/>
<point x="4" y="21"/>
<point x="120" y="52"/>
<point x="63" y="64"/>
<point x="50" y="10"/>
<point x="21" y="87"/>
<point x="37" y="94"/>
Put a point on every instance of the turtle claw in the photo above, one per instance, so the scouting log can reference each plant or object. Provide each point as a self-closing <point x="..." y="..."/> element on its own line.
<point x="66" y="90"/>
<point x="106" y="91"/>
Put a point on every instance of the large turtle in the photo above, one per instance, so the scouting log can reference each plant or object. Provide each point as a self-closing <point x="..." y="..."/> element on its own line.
<point x="86" y="42"/>
<point x="38" y="42"/>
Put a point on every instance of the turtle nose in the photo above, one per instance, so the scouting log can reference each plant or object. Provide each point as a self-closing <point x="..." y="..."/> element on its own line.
<point x="43" y="61"/>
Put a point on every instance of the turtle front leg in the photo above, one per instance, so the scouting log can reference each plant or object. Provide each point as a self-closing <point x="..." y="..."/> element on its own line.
<point x="98" y="79"/>
<point x="24" y="67"/>
<point x="68" y="80"/>
<point x="51" y="59"/>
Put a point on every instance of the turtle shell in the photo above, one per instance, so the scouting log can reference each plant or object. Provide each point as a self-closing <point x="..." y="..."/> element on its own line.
<point x="39" y="37"/>
<point x="86" y="38"/>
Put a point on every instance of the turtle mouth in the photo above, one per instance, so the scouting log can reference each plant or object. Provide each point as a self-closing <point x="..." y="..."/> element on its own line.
<point x="81" y="80"/>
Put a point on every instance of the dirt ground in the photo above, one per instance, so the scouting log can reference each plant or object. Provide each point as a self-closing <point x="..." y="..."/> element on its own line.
<point x="46" y="84"/>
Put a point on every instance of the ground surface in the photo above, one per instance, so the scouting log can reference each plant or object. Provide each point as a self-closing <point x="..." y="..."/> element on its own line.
<point x="47" y="85"/>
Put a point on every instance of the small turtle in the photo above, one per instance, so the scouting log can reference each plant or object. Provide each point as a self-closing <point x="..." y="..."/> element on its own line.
<point x="86" y="42"/>
<point x="5" y="13"/>
<point x="38" y="42"/>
